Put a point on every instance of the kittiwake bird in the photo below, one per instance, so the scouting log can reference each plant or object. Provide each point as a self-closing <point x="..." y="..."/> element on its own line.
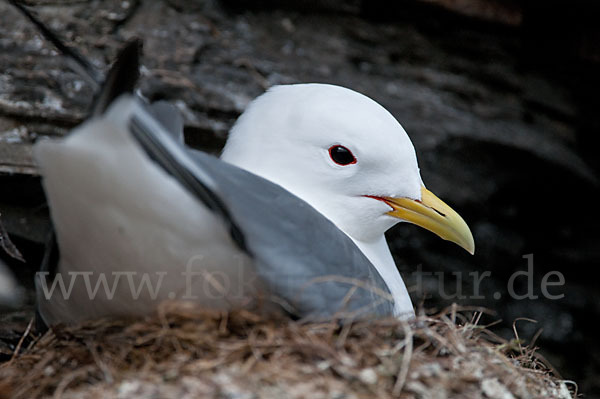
<point x="291" y="217"/>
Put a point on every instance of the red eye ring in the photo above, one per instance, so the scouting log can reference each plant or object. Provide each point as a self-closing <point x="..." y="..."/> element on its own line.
<point x="341" y="155"/>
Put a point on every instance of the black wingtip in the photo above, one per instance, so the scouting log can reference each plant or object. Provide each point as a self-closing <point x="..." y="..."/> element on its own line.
<point x="122" y="77"/>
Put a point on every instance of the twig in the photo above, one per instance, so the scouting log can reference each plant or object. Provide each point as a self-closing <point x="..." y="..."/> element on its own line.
<point x="25" y="334"/>
<point x="517" y="334"/>
<point x="7" y="245"/>
<point x="403" y="373"/>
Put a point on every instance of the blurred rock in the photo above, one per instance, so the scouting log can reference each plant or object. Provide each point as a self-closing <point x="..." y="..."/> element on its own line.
<point x="11" y="293"/>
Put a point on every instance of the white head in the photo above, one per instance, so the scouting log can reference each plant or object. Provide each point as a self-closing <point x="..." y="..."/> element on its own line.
<point x="344" y="154"/>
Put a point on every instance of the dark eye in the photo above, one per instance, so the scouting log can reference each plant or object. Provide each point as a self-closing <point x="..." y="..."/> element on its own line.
<point x="341" y="155"/>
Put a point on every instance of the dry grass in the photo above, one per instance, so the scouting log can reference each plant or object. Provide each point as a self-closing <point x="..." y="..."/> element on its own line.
<point x="187" y="353"/>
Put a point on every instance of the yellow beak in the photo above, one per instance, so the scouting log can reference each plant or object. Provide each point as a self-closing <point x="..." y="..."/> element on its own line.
<point x="434" y="215"/>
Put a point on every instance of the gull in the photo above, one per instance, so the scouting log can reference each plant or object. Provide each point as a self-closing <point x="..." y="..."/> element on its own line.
<point x="350" y="159"/>
<point x="291" y="217"/>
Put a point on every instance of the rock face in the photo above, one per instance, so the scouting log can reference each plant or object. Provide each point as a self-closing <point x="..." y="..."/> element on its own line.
<point x="500" y="105"/>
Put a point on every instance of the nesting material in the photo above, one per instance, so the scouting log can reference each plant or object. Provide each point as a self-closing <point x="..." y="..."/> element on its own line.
<point x="185" y="352"/>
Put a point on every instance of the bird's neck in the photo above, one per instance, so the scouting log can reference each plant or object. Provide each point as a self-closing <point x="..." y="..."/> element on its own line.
<point x="379" y="254"/>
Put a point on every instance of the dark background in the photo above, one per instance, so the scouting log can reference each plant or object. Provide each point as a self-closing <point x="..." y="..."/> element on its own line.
<point x="499" y="97"/>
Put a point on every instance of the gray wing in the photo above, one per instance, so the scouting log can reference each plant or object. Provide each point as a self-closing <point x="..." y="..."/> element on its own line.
<point x="304" y="260"/>
<point x="169" y="117"/>
<point x="301" y="255"/>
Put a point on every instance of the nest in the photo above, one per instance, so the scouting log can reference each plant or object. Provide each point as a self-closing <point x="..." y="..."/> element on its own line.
<point x="184" y="352"/>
